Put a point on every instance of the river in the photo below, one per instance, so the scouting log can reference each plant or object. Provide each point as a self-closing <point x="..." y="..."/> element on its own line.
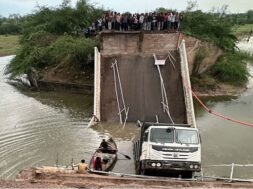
<point x="48" y="128"/>
<point x="225" y="142"/>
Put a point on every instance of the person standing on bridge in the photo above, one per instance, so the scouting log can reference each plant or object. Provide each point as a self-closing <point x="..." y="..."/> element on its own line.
<point x="141" y="21"/>
<point x="176" y="21"/>
<point x="154" y="22"/>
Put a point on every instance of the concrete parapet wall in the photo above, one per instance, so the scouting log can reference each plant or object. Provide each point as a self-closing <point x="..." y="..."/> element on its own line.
<point x="159" y="43"/>
<point x="138" y="42"/>
<point x="118" y="43"/>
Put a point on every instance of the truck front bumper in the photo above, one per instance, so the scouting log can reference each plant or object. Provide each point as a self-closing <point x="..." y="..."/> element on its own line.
<point x="171" y="165"/>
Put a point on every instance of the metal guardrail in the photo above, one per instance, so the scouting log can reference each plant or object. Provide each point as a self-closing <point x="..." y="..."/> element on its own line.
<point x="231" y="177"/>
<point x="196" y="178"/>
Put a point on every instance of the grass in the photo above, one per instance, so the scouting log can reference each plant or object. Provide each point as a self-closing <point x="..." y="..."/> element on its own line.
<point x="242" y="29"/>
<point x="8" y="44"/>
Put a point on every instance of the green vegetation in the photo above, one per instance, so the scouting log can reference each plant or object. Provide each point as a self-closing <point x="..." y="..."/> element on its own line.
<point x="240" y="18"/>
<point x="219" y="28"/>
<point x="209" y="27"/>
<point x="204" y="82"/>
<point x="11" y="25"/>
<point x="39" y="54"/>
<point x="232" y="68"/>
<point x="8" y="44"/>
<point x="53" y="37"/>
<point x="245" y="29"/>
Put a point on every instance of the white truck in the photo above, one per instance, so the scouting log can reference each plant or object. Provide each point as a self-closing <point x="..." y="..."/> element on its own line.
<point x="168" y="149"/>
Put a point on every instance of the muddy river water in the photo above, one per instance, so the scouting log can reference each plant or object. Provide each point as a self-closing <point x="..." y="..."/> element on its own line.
<point x="48" y="128"/>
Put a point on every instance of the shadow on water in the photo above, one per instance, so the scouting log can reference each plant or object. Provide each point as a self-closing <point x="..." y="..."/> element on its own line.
<point x="78" y="105"/>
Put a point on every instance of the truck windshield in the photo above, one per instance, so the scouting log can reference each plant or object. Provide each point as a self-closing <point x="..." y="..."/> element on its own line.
<point x="186" y="136"/>
<point x="162" y="135"/>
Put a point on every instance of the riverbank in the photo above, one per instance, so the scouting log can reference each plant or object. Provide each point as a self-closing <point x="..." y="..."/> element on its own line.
<point x="86" y="86"/>
<point x="8" y="44"/>
<point x="221" y="90"/>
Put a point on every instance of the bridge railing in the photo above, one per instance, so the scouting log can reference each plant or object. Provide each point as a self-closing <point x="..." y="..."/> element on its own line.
<point x="232" y="167"/>
<point x="97" y="85"/>
<point x="186" y="85"/>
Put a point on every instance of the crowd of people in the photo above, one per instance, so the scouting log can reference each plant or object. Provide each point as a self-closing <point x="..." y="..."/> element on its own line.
<point x="154" y="21"/>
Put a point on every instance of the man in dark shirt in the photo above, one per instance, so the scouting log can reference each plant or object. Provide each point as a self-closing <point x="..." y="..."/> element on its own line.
<point x="104" y="146"/>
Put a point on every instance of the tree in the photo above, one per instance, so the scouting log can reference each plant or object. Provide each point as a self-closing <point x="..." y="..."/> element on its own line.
<point x="191" y="5"/>
<point x="250" y="16"/>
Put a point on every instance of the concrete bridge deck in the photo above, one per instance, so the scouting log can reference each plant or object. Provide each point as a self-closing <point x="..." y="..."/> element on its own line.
<point x="140" y="79"/>
<point x="142" y="89"/>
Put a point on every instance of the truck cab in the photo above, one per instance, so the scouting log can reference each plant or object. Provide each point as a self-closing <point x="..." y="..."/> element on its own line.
<point x="168" y="148"/>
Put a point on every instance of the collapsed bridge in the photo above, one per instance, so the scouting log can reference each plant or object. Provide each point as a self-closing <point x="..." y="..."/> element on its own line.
<point x="142" y="76"/>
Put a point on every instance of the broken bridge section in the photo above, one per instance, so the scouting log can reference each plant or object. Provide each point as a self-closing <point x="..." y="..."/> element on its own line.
<point x="128" y="86"/>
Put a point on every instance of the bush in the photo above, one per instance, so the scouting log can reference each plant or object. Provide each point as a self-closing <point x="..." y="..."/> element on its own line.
<point x="76" y="50"/>
<point x="230" y="68"/>
<point x="80" y="50"/>
<point x="209" y="27"/>
<point x="204" y="82"/>
<point x="39" y="39"/>
<point x="51" y="36"/>
<point x="9" y="28"/>
<point x="64" y="19"/>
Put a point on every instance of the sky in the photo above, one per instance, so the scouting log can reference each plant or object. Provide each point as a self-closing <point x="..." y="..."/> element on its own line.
<point x="23" y="7"/>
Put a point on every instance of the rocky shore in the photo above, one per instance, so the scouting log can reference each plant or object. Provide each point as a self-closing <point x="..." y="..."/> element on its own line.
<point x="221" y="90"/>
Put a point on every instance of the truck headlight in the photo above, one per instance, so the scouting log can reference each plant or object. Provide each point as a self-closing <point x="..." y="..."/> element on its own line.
<point x="158" y="164"/>
<point x="196" y="166"/>
<point x="153" y="164"/>
<point x="191" y="166"/>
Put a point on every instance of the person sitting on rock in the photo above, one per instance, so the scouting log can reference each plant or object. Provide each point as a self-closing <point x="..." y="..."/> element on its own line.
<point x="82" y="167"/>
